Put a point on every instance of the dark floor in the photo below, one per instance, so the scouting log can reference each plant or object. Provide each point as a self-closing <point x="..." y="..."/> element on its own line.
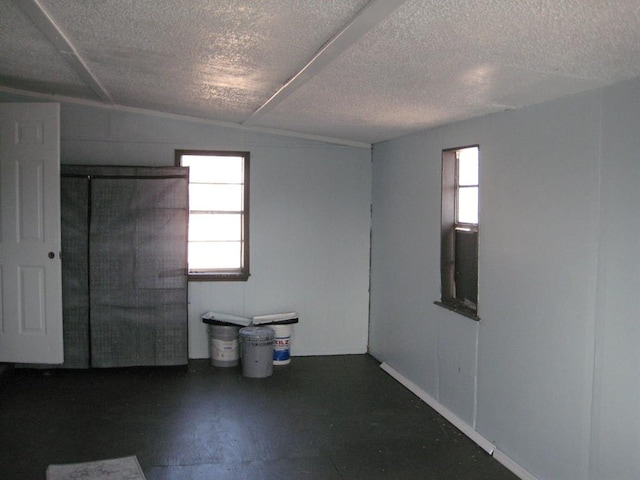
<point x="325" y="418"/>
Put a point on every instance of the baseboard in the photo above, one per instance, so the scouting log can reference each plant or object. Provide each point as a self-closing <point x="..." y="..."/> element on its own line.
<point x="305" y="353"/>
<point x="515" y="468"/>
<point x="329" y="351"/>
<point x="460" y="424"/>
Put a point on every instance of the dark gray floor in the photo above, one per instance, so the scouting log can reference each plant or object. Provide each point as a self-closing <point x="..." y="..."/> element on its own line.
<point x="325" y="418"/>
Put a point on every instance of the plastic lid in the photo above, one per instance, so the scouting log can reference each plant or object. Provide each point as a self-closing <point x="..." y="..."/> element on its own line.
<point x="276" y="318"/>
<point x="224" y="327"/>
<point x="257" y="333"/>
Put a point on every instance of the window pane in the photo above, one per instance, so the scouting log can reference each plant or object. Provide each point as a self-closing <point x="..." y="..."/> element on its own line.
<point x="217" y="198"/>
<point x="467" y="205"/>
<point x="215" y="227"/>
<point x="214" y="169"/>
<point x="468" y="166"/>
<point x="215" y="255"/>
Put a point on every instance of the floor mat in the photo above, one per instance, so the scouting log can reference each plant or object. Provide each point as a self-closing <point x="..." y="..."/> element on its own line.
<point x="126" y="468"/>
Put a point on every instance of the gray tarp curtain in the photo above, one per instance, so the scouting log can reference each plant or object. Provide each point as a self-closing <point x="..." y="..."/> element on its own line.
<point x="124" y="265"/>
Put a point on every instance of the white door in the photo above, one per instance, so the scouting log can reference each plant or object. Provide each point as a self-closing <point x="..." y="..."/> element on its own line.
<point x="30" y="267"/>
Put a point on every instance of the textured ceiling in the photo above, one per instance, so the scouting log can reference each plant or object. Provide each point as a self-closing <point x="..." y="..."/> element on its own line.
<point x="347" y="70"/>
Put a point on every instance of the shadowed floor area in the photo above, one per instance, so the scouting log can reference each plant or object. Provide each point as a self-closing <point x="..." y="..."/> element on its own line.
<point x="325" y="418"/>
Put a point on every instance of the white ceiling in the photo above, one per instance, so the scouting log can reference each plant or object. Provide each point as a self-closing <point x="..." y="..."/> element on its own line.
<point x="351" y="71"/>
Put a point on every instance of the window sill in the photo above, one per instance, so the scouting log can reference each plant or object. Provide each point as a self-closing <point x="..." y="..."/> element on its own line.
<point x="218" y="277"/>
<point x="461" y="309"/>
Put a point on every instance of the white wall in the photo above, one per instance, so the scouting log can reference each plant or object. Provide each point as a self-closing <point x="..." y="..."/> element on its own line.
<point x="549" y="375"/>
<point x="310" y="221"/>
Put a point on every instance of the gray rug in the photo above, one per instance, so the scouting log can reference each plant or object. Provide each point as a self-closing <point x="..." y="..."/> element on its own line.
<point x="126" y="468"/>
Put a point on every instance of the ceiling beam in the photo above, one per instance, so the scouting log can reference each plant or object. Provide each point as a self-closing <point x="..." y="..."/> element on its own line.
<point x="367" y="18"/>
<point x="47" y="25"/>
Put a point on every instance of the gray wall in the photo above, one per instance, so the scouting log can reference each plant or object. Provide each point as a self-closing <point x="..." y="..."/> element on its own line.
<point x="310" y="221"/>
<point x="616" y="425"/>
<point x="550" y="373"/>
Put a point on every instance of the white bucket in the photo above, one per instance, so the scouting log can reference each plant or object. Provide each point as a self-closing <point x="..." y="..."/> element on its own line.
<point x="223" y="345"/>
<point x="282" y="343"/>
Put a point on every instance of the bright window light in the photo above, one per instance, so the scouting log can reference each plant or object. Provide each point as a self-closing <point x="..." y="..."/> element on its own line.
<point x="218" y="223"/>
<point x="467" y="186"/>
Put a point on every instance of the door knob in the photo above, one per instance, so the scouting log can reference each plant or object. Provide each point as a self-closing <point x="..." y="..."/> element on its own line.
<point x="52" y="255"/>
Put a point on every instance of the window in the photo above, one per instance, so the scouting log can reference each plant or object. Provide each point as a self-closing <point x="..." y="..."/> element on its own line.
<point x="459" y="231"/>
<point x="218" y="214"/>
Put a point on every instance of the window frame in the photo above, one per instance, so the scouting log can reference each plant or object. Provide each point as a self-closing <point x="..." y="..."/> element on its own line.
<point x="450" y="229"/>
<point x="243" y="273"/>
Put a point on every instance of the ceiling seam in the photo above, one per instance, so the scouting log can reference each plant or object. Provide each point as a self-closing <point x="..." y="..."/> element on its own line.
<point x="183" y="118"/>
<point x="47" y="25"/>
<point x="368" y="17"/>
